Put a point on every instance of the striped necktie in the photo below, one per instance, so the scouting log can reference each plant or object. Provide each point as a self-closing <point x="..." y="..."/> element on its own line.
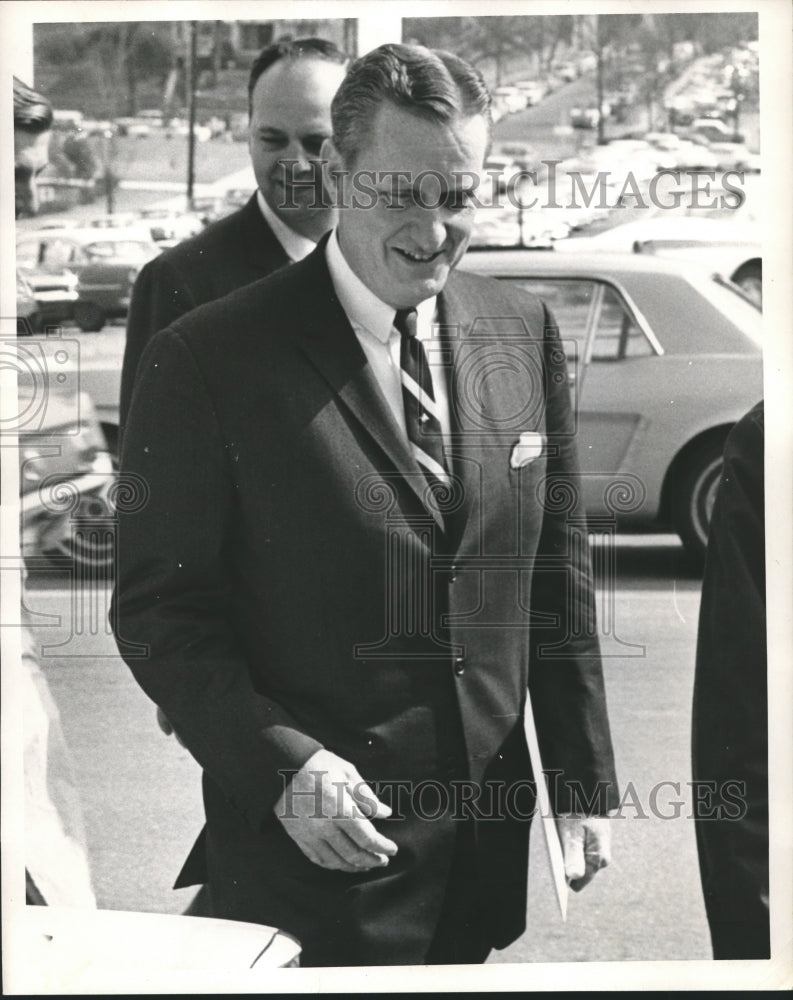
<point x="422" y="418"/>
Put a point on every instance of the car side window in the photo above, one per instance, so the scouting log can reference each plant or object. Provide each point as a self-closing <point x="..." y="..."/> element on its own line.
<point x="571" y="302"/>
<point x="56" y="253"/>
<point x="578" y="305"/>
<point x="618" y="335"/>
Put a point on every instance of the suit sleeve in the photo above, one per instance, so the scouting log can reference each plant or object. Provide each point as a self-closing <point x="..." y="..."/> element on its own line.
<point x="160" y="295"/>
<point x="173" y="592"/>
<point x="565" y="671"/>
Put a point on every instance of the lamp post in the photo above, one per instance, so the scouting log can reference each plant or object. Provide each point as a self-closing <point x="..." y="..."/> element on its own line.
<point x="191" y="91"/>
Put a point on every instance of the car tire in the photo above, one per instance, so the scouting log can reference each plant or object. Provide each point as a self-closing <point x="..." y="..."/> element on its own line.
<point x="89" y="549"/>
<point x="89" y="317"/>
<point x="749" y="277"/>
<point x="695" y="489"/>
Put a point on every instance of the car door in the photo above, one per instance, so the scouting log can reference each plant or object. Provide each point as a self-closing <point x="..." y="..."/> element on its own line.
<point x="612" y="357"/>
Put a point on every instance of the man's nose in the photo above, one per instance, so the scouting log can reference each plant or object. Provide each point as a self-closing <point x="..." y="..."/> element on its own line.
<point x="298" y="157"/>
<point x="429" y="228"/>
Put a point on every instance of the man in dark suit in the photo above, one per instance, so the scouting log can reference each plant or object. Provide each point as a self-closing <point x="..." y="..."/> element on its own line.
<point x="290" y="88"/>
<point x="730" y="712"/>
<point x="359" y="545"/>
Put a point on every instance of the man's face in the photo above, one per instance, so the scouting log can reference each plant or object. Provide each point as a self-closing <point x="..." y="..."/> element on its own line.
<point x="290" y="119"/>
<point x="31" y="156"/>
<point x="405" y="245"/>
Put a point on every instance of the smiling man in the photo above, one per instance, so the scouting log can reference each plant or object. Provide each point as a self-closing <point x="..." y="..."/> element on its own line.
<point x="347" y="573"/>
<point x="290" y="87"/>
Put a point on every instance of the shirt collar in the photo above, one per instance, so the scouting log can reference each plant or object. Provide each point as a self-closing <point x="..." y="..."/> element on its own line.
<point x="295" y="244"/>
<point x="363" y="307"/>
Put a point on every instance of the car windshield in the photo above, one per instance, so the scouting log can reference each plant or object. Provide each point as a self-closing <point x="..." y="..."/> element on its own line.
<point x="128" y="249"/>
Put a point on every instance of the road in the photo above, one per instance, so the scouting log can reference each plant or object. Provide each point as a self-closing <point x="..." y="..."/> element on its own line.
<point x="140" y="790"/>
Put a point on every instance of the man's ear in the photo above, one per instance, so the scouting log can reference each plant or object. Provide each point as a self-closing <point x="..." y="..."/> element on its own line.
<point x="333" y="173"/>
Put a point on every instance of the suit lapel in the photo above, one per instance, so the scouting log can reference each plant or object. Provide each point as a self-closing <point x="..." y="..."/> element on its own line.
<point x="486" y="405"/>
<point x="264" y="251"/>
<point x="329" y="341"/>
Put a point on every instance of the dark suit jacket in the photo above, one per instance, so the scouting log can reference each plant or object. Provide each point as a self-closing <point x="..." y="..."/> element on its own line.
<point x="266" y="573"/>
<point x="730" y="714"/>
<point x="232" y="252"/>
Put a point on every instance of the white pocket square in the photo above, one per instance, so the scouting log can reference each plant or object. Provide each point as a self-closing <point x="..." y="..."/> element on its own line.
<point x="528" y="447"/>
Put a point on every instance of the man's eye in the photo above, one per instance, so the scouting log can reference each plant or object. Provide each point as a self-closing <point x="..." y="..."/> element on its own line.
<point x="459" y="201"/>
<point x="274" y="141"/>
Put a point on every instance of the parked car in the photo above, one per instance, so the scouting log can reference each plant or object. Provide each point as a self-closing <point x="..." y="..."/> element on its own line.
<point x="44" y="299"/>
<point x="566" y="71"/>
<point x="534" y="90"/>
<point x="165" y="225"/>
<point x="106" y="262"/>
<point x="513" y="99"/>
<point x="66" y="479"/>
<point x="584" y="117"/>
<point x="730" y="248"/>
<point x="712" y="130"/>
<point x="134" y="128"/>
<point x="663" y="361"/>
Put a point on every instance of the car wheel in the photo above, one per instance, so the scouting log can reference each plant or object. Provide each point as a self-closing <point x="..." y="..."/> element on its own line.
<point x="89" y="317"/>
<point x="694" y="493"/>
<point x="85" y="545"/>
<point x="749" y="277"/>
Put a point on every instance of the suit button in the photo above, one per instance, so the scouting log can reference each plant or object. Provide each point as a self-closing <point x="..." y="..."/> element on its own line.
<point x="459" y="665"/>
<point x="453" y="574"/>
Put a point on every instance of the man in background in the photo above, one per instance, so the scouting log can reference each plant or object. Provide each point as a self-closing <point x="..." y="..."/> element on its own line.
<point x="290" y="87"/>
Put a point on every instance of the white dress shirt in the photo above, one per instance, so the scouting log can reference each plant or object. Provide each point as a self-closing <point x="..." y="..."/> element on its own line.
<point x="295" y="244"/>
<point x="373" y="323"/>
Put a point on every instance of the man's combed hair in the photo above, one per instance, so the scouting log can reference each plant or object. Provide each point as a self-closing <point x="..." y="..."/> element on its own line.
<point x="293" y="48"/>
<point x="32" y="111"/>
<point x="429" y="83"/>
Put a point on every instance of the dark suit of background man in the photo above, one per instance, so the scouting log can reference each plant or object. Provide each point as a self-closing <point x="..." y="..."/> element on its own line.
<point x="730" y="715"/>
<point x="343" y="618"/>
<point x="290" y="88"/>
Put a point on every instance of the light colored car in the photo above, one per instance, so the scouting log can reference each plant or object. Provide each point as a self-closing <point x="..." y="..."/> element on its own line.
<point x="133" y="128"/>
<point x="663" y="361"/>
<point x="106" y="262"/>
<point x="44" y="299"/>
<point x="165" y="225"/>
<point x="513" y="99"/>
<point x="728" y="247"/>
<point x="534" y="90"/>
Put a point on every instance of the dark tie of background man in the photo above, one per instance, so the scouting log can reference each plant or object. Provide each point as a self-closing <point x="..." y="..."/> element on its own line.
<point x="422" y="418"/>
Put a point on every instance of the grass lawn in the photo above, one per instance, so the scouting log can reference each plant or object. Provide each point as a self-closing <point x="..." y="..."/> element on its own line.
<point x="161" y="159"/>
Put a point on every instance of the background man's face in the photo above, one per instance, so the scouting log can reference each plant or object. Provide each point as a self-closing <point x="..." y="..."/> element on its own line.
<point x="290" y="119"/>
<point x="404" y="247"/>
<point x="31" y="156"/>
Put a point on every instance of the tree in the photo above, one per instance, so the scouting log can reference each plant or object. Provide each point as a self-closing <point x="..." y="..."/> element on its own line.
<point x="109" y="61"/>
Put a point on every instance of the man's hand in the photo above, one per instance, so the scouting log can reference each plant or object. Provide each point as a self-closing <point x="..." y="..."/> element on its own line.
<point x="164" y="723"/>
<point x="327" y="810"/>
<point x="586" y="844"/>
